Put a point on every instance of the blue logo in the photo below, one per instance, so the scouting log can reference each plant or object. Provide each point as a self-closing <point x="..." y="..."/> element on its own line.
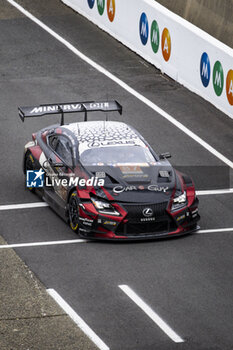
<point x="205" y="69"/>
<point x="91" y="3"/>
<point x="144" y="28"/>
<point x="35" y="178"/>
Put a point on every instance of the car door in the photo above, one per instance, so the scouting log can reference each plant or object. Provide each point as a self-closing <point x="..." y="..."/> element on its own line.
<point x="61" y="163"/>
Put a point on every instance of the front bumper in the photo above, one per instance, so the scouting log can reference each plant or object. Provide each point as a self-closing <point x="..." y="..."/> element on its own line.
<point x="134" y="227"/>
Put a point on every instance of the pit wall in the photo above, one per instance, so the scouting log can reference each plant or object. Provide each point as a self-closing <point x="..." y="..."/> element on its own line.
<point x="176" y="47"/>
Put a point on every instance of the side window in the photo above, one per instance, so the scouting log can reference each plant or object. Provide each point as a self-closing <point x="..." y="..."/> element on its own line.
<point x="53" y="142"/>
<point x="62" y="146"/>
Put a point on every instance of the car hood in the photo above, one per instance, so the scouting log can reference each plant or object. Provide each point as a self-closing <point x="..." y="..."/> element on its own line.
<point x="138" y="183"/>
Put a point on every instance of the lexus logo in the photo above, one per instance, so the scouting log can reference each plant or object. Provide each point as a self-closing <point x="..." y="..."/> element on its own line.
<point x="147" y="212"/>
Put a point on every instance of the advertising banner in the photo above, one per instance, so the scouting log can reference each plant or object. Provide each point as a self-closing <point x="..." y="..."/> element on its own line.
<point x="176" y="47"/>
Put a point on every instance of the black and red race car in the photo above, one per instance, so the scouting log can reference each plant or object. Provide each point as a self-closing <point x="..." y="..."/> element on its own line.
<point x="104" y="179"/>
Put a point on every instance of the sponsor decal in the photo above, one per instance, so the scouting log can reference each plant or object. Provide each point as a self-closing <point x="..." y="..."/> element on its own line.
<point x="194" y="213"/>
<point x="91" y="3"/>
<point x="120" y="189"/>
<point x="73" y="107"/>
<point x="54" y="108"/>
<point x="131" y="169"/>
<point x="147" y="219"/>
<point x="229" y="87"/>
<point x="109" y="143"/>
<point x="99" y="105"/>
<point x="111" y="9"/>
<point x="218" y="78"/>
<point x="143" y="28"/>
<point x="157" y="188"/>
<point x="101" y="6"/>
<point x="82" y="229"/>
<point x="137" y="176"/>
<point x="86" y="221"/>
<point x="179" y="218"/>
<point x="166" y="44"/>
<point x="35" y="178"/>
<point x="154" y="36"/>
<point x="205" y="69"/>
<point x="147" y="212"/>
<point x="154" y="188"/>
<point x="112" y="223"/>
<point x="100" y="174"/>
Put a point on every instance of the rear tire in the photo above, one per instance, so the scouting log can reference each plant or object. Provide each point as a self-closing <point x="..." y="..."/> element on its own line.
<point x="74" y="212"/>
<point x="29" y="165"/>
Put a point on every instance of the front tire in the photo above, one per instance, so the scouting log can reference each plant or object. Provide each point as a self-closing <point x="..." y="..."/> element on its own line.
<point x="74" y="212"/>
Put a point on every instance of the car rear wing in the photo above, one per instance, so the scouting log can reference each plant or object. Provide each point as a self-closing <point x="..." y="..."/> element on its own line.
<point x="71" y="107"/>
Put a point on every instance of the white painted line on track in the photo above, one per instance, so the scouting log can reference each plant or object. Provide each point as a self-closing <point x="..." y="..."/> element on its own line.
<point x="210" y="192"/>
<point x="124" y="85"/>
<point x="216" y="230"/>
<point x="77" y="241"/>
<point x="23" y="206"/>
<point x="153" y="315"/>
<point x="40" y="244"/>
<point x="78" y="320"/>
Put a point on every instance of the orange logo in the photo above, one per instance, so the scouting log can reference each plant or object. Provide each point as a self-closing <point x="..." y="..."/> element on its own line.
<point x="111" y="9"/>
<point x="166" y="44"/>
<point x="229" y="87"/>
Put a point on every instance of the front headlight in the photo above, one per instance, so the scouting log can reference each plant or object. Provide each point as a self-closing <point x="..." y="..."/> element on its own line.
<point x="179" y="202"/>
<point x="104" y="207"/>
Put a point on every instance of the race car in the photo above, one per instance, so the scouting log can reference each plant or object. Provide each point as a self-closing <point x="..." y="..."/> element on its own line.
<point x="104" y="179"/>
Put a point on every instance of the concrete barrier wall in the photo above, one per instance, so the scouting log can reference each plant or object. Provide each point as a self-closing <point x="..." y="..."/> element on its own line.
<point x="179" y="49"/>
<point x="213" y="16"/>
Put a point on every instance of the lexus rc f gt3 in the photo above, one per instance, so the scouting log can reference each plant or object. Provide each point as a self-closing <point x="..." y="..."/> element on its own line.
<point x="105" y="180"/>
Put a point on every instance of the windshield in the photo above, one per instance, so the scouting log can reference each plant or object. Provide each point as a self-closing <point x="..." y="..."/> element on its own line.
<point x="117" y="155"/>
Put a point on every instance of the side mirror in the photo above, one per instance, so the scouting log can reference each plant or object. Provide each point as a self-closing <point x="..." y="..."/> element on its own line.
<point x="165" y="155"/>
<point x="54" y="164"/>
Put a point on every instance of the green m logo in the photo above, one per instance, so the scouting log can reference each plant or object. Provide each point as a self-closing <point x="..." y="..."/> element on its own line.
<point x="154" y="37"/>
<point x="218" y="78"/>
<point x="101" y="5"/>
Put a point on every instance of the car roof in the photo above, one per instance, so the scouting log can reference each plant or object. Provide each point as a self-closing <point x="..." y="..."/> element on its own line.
<point x="95" y="134"/>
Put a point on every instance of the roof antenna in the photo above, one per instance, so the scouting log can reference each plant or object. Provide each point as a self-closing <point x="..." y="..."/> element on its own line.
<point x="62" y="114"/>
<point x="107" y="111"/>
<point x="106" y="119"/>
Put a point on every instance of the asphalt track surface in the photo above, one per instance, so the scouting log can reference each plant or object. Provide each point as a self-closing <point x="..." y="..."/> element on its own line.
<point x="186" y="281"/>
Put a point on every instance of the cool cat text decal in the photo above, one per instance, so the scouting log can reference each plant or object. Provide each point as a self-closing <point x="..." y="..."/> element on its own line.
<point x="155" y="188"/>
